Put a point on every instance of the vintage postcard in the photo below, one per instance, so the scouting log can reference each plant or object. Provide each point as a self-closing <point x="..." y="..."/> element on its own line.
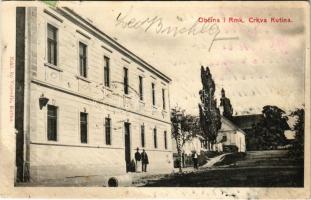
<point x="161" y="99"/>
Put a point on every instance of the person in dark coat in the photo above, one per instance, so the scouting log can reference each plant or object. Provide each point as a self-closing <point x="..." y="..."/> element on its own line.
<point x="145" y="161"/>
<point x="195" y="160"/>
<point x="137" y="160"/>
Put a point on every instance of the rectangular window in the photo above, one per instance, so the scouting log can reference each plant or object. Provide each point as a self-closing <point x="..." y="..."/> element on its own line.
<point x="153" y="93"/>
<point x="155" y="138"/>
<point x="83" y="127"/>
<point x="83" y="59"/>
<point x="107" y="71"/>
<point x="165" y="139"/>
<point x="142" y="135"/>
<point x="125" y="80"/>
<point x="108" y="130"/>
<point x="163" y="99"/>
<point x="141" y="94"/>
<point x="52" y="123"/>
<point x="52" y="45"/>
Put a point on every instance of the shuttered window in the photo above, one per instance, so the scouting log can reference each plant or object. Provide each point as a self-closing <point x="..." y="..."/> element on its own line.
<point x="155" y="138"/>
<point x="83" y="127"/>
<point x="153" y="93"/>
<point x="52" y="123"/>
<point x="142" y="135"/>
<point x="141" y="94"/>
<point x="52" y="45"/>
<point x="163" y="99"/>
<point x="125" y="80"/>
<point x="83" y="59"/>
<point x="107" y="71"/>
<point x="108" y="130"/>
<point x="165" y="139"/>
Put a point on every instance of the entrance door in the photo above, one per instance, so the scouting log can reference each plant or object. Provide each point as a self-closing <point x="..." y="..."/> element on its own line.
<point x="127" y="143"/>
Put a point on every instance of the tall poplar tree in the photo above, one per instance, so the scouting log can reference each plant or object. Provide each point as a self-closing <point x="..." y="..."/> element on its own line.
<point x="210" y="119"/>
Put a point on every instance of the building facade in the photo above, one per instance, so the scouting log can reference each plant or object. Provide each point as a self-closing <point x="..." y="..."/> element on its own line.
<point x="230" y="137"/>
<point x="84" y="103"/>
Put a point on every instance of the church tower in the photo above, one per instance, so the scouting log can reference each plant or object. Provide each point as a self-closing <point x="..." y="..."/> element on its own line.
<point x="225" y="105"/>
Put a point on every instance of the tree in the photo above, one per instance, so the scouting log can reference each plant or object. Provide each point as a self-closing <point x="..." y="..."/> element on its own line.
<point x="190" y="123"/>
<point x="269" y="132"/>
<point x="184" y="127"/>
<point x="177" y="119"/>
<point x="298" y="143"/>
<point x="210" y="119"/>
<point x="226" y="104"/>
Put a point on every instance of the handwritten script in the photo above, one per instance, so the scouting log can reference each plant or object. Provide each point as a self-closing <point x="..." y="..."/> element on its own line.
<point x="157" y="25"/>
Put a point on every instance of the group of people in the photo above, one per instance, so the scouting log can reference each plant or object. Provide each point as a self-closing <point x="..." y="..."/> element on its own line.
<point x="141" y="159"/>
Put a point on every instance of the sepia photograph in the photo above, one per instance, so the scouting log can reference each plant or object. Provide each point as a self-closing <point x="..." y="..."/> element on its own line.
<point x="158" y="94"/>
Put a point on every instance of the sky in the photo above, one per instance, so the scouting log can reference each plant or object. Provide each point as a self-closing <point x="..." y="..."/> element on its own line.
<point x="257" y="64"/>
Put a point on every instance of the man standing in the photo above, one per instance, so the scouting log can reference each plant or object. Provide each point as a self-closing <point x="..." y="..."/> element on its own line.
<point x="138" y="160"/>
<point x="145" y="161"/>
<point x="195" y="160"/>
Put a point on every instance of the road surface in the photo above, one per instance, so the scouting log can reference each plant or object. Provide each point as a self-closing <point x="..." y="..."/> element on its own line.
<point x="258" y="169"/>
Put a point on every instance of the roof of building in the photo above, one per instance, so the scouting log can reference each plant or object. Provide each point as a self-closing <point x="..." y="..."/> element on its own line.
<point x="246" y="121"/>
<point x="227" y="125"/>
<point x="88" y="26"/>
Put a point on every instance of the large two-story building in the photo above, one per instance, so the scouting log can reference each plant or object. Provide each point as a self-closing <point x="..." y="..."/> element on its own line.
<point x="84" y="102"/>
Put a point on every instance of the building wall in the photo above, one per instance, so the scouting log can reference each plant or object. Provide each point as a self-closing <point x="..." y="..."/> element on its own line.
<point x="236" y="138"/>
<point x="72" y="94"/>
<point x="233" y="135"/>
<point x="240" y="141"/>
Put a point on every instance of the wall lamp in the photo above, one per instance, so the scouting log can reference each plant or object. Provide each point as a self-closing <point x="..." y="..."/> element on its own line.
<point x="43" y="101"/>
